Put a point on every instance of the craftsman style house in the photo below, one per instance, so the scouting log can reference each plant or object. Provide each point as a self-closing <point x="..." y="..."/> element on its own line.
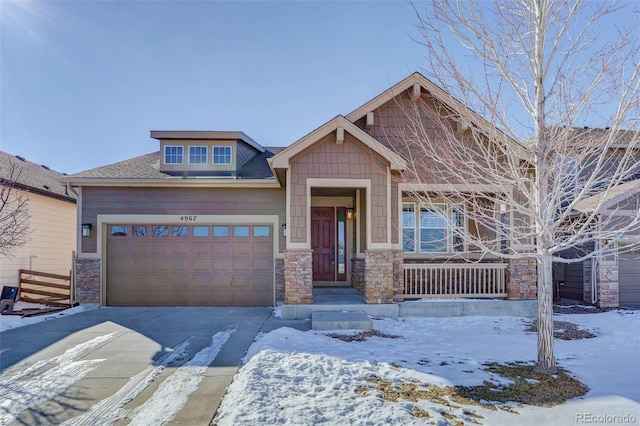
<point x="214" y="218"/>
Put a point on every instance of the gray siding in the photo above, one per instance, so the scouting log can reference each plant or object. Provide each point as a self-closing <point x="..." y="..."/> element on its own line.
<point x="179" y="201"/>
<point x="573" y="287"/>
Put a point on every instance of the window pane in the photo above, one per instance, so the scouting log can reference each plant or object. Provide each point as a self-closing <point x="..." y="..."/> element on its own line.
<point x="240" y="231"/>
<point x="432" y="217"/>
<point x="261" y="231"/>
<point x="433" y="240"/>
<point x="221" y="155"/>
<point x="220" y="231"/>
<point x="173" y="155"/>
<point x="118" y="230"/>
<point x="159" y="231"/>
<point x="200" y="231"/>
<point x="139" y="231"/>
<point x="180" y="231"/>
<point x="409" y="240"/>
<point x="197" y="155"/>
<point x="408" y="216"/>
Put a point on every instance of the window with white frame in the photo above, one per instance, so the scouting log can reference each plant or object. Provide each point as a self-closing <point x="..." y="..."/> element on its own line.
<point x="433" y="228"/>
<point x="409" y="227"/>
<point x="198" y="155"/>
<point x="221" y="155"/>
<point x="173" y="154"/>
<point x="438" y="229"/>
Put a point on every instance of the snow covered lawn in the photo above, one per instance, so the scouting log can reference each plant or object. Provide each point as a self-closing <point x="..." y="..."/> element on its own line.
<point x="301" y="378"/>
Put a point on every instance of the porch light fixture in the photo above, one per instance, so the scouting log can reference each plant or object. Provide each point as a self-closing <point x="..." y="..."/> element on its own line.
<point x="86" y="229"/>
<point x="349" y="213"/>
<point x="284" y="229"/>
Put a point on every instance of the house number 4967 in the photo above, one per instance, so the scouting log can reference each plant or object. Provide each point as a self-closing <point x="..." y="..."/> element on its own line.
<point x="188" y="218"/>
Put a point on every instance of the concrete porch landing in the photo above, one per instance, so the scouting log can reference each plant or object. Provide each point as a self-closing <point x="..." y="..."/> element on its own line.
<point x="346" y="299"/>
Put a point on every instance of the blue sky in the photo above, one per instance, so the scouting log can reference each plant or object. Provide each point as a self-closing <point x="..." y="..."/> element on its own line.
<point x="83" y="83"/>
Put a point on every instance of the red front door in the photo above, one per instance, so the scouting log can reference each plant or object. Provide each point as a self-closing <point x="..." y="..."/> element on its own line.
<point x="323" y="243"/>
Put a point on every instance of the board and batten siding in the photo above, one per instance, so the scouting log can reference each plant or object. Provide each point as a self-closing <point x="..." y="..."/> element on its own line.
<point x="52" y="240"/>
<point x="179" y="201"/>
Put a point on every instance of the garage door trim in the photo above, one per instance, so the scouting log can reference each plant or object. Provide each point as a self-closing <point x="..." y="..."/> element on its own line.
<point x="174" y="219"/>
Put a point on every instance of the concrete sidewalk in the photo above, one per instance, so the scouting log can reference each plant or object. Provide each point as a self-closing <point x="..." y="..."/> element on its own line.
<point x="130" y="341"/>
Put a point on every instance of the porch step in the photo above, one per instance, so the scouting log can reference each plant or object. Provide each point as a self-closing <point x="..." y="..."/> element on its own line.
<point x="343" y="320"/>
<point x="334" y="290"/>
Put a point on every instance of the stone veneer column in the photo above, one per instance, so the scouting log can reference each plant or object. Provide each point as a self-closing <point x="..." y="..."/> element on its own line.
<point x="398" y="276"/>
<point x="522" y="279"/>
<point x="298" y="277"/>
<point x="279" y="280"/>
<point x="357" y="275"/>
<point x="378" y="276"/>
<point x="608" y="290"/>
<point x="88" y="281"/>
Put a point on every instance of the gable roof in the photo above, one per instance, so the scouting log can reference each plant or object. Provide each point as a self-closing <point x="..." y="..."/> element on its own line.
<point x="34" y="177"/>
<point x="281" y="160"/>
<point x="606" y="199"/>
<point x="446" y="98"/>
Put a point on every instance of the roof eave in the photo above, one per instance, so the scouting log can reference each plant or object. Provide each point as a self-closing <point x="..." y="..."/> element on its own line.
<point x="175" y="182"/>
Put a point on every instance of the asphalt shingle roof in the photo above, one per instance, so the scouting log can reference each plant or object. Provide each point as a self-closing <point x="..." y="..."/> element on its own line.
<point x="148" y="167"/>
<point x="33" y="176"/>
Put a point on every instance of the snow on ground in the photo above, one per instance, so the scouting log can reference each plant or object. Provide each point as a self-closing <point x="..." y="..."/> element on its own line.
<point x="293" y="377"/>
<point x="14" y="321"/>
<point x="45" y="379"/>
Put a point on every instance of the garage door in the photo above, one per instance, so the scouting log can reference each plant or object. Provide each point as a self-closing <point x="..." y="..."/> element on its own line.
<point x="195" y="265"/>
<point x="629" y="278"/>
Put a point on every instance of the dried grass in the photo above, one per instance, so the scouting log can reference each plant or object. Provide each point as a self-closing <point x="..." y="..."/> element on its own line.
<point x="362" y="336"/>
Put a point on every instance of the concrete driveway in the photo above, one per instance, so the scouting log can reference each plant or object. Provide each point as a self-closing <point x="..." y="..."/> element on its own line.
<point x="126" y="365"/>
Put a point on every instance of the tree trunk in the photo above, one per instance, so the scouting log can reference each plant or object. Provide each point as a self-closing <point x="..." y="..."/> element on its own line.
<point x="546" y="355"/>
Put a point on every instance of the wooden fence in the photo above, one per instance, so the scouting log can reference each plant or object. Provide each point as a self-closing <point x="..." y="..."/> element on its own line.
<point x="437" y="280"/>
<point x="55" y="291"/>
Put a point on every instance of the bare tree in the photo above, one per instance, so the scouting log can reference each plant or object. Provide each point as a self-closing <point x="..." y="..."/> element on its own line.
<point x="14" y="212"/>
<point x="536" y="71"/>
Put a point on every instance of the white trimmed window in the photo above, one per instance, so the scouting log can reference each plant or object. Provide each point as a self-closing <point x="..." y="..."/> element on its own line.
<point x="173" y="154"/>
<point x="434" y="228"/>
<point x="221" y="155"/>
<point x="198" y="154"/>
<point x="409" y="227"/>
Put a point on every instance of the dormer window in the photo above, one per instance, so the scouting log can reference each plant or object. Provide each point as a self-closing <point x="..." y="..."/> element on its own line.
<point x="198" y="154"/>
<point x="173" y="154"/>
<point x="221" y="155"/>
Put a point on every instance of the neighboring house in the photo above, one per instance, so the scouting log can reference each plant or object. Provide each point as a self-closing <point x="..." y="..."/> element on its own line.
<point x="214" y="218"/>
<point x="52" y="210"/>
<point x="609" y="281"/>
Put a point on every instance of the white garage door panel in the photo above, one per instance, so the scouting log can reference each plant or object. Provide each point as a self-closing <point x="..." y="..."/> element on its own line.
<point x="172" y="268"/>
